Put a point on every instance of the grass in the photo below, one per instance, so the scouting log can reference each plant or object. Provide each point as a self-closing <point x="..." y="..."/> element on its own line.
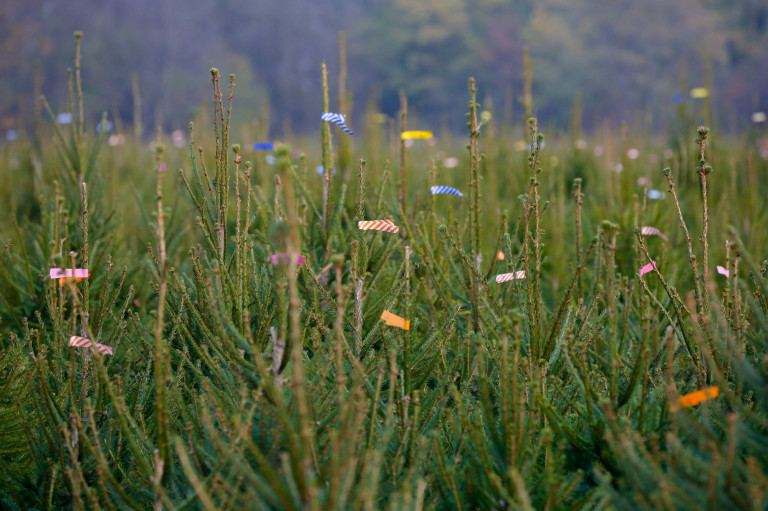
<point x="236" y="383"/>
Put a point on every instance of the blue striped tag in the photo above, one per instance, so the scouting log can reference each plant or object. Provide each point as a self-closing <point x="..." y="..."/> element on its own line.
<point x="338" y="119"/>
<point x="445" y="189"/>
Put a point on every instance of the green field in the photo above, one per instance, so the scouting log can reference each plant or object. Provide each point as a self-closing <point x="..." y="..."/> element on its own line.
<point x="239" y="384"/>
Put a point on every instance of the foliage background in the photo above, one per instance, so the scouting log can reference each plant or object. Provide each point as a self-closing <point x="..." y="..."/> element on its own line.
<point x="237" y="384"/>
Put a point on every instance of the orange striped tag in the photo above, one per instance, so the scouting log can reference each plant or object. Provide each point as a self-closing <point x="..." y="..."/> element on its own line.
<point x="694" y="398"/>
<point x="378" y="225"/>
<point x="82" y="342"/>
<point x="394" y="320"/>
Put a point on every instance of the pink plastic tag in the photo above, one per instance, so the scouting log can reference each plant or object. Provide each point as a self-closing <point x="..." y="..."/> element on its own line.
<point x="284" y="258"/>
<point x="58" y="273"/>
<point x="647" y="268"/>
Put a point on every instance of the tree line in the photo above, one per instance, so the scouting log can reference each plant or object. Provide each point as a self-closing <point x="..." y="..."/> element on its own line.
<point x="623" y="59"/>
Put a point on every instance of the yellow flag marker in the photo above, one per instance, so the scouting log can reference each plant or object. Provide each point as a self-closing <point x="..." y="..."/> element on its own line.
<point x="393" y="320"/>
<point x="695" y="398"/>
<point x="699" y="93"/>
<point x="406" y="135"/>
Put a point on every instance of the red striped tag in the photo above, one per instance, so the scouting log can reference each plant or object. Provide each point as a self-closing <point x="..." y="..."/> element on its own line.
<point x="504" y="277"/>
<point x="83" y="342"/>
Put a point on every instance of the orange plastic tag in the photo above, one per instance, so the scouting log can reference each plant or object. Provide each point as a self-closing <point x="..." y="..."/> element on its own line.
<point x="62" y="281"/>
<point x="393" y="320"/>
<point x="697" y="397"/>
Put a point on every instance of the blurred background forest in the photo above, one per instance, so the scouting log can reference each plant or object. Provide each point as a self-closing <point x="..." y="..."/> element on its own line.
<point x="624" y="59"/>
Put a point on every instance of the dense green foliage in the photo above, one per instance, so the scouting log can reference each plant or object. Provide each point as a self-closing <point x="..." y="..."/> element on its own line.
<point x="238" y="384"/>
